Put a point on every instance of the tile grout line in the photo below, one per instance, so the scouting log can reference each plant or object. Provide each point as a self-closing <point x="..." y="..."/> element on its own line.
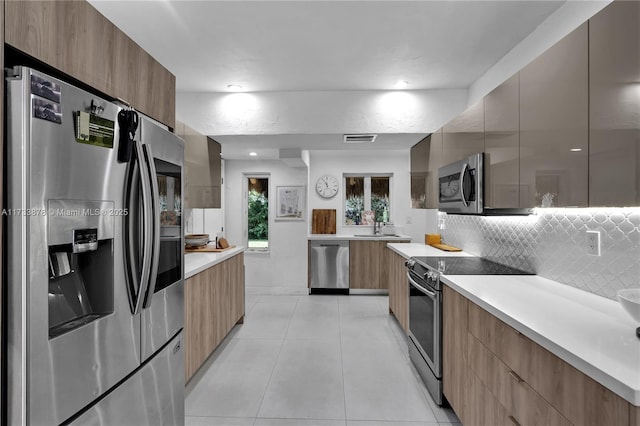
<point x="344" y="394"/>
<point x="275" y="364"/>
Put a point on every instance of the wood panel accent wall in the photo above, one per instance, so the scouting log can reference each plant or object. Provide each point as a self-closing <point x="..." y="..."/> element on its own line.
<point x="214" y="303"/>
<point x="74" y="38"/>
<point x="398" y="289"/>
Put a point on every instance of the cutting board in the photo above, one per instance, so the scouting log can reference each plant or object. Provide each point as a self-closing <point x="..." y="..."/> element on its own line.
<point x="206" y="249"/>
<point x="323" y="221"/>
<point x="445" y="247"/>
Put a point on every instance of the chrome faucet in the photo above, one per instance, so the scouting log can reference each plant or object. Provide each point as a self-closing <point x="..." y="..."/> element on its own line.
<point x="376" y="227"/>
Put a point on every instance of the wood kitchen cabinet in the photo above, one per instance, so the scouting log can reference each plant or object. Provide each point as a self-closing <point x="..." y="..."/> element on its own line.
<point x="74" y="38"/>
<point x="369" y="264"/>
<point x="398" y="289"/>
<point x="214" y="303"/>
<point x="464" y="135"/>
<point x="492" y="374"/>
<point x="502" y="145"/>
<point x="614" y="105"/>
<point x="554" y="102"/>
<point x="455" y="380"/>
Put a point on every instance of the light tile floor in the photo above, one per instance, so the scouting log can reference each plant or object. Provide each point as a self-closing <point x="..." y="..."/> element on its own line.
<point x="312" y="361"/>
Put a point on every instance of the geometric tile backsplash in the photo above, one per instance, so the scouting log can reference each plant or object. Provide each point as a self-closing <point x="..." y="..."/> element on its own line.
<point x="551" y="243"/>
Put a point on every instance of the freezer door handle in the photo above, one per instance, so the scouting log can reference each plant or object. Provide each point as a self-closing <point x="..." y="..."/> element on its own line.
<point x="155" y="213"/>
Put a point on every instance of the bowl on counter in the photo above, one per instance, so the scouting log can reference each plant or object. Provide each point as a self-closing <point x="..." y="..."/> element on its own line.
<point x="196" y="240"/>
<point x="630" y="300"/>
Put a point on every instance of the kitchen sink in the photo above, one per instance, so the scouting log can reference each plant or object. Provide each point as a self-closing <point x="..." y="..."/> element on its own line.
<point x="375" y="236"/>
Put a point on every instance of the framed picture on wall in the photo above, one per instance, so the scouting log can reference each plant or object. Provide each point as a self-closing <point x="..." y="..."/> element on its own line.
<point x="289" y="203"/>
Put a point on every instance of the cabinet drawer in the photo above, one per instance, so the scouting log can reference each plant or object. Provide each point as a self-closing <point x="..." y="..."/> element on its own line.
<point x="482" y="407"/>
<point x="523" y="404"/>
<point x="580" y="399"/>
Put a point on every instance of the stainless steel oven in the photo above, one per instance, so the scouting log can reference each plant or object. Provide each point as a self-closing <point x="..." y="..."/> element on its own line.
<point x="425" y="325"/>
<point x="425" y="310"/>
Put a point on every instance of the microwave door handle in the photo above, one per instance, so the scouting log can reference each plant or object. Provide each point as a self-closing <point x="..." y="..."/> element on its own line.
<point x="155" y="214"/>
<point x="431" y="294"/>
<point x="147" y="227"/>
<point x="465" y="167"/>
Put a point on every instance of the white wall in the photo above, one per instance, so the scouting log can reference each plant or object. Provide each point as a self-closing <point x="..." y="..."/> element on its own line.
<point x="410" y="221"/>
<point x="284" y="267"/>
<point x="411" y="111"/>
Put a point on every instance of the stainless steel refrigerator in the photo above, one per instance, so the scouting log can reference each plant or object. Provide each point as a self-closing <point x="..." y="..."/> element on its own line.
<point x="95" y="272"/>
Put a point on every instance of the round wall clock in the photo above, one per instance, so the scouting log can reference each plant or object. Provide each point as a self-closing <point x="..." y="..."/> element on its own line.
<point x="327" y="186"/>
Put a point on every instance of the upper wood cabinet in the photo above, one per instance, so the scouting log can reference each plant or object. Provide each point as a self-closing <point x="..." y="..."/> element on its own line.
<point x="554" y="101"/>
<point x="614" y="105"/>
<point x="426" y="157"/>
<point x="74" y="38"/>
<point x="464" y="135"/>
<point x="502" y="145"/>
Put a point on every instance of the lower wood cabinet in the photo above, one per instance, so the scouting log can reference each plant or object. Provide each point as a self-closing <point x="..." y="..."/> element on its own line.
<point x="398" y="289"/>
<point x="369" y="264"/>
<point x="492" y="374"/>
<point x="214" y="303"/>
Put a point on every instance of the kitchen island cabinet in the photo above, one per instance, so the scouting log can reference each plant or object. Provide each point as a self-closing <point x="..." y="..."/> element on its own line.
<point x="493" y="374"/>
<point x="214" y="304"/>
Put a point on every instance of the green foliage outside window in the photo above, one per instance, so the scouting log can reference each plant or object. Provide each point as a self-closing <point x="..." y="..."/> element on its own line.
<point x="258" y="216"/>
<point x="353" y="209"/>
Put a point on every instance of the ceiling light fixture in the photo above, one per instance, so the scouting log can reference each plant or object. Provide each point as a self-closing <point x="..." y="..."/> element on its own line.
<point x="401" y="84"/>
<point x="575" y="149"/>
<point x="253" y="154"/>
<point x="234" y="87"/>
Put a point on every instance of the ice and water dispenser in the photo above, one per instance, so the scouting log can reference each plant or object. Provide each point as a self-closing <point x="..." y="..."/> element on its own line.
<point x="81" y="263"/>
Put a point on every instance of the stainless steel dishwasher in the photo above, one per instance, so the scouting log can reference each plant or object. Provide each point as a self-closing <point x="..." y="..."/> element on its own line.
<point x="329" y="267"/>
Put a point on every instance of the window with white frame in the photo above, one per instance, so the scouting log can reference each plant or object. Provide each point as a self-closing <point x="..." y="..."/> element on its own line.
<point x="367" y="198"/>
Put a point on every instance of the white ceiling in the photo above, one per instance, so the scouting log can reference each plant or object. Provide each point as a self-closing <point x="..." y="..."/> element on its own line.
<point x="279" y="46"/>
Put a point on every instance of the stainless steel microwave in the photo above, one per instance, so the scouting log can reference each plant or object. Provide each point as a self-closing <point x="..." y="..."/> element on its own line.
<point x="461" y="186"/>
<point x="461" y="189"/>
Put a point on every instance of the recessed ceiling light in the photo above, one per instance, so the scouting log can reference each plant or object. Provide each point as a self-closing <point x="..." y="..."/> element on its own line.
<point x="401" y="84"/>
<point x="575" y="149"/>
<point x="253" y="154"/>
<point x="234" y="87"/>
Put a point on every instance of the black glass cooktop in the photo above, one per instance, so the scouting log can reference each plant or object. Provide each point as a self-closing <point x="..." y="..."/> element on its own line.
<point x="467" y="266"/>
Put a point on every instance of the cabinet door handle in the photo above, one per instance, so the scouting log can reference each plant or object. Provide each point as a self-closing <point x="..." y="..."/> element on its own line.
<point x="515" y="377"/>
<point x="514" y="422"/>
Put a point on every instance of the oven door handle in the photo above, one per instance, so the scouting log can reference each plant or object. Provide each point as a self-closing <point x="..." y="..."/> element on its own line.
<point x="429" y="293"/>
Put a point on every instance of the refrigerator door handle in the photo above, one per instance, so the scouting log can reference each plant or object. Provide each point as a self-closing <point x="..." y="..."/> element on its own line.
<point x="155" y="212"/>
<point x="148" y="225"/>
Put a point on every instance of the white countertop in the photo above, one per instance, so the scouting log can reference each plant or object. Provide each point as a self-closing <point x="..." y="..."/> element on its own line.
<point x="408" y="250"/>
<point x="197" y="262"/>
<point x="313" y="237"/>
<point x="592" y="333"/>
